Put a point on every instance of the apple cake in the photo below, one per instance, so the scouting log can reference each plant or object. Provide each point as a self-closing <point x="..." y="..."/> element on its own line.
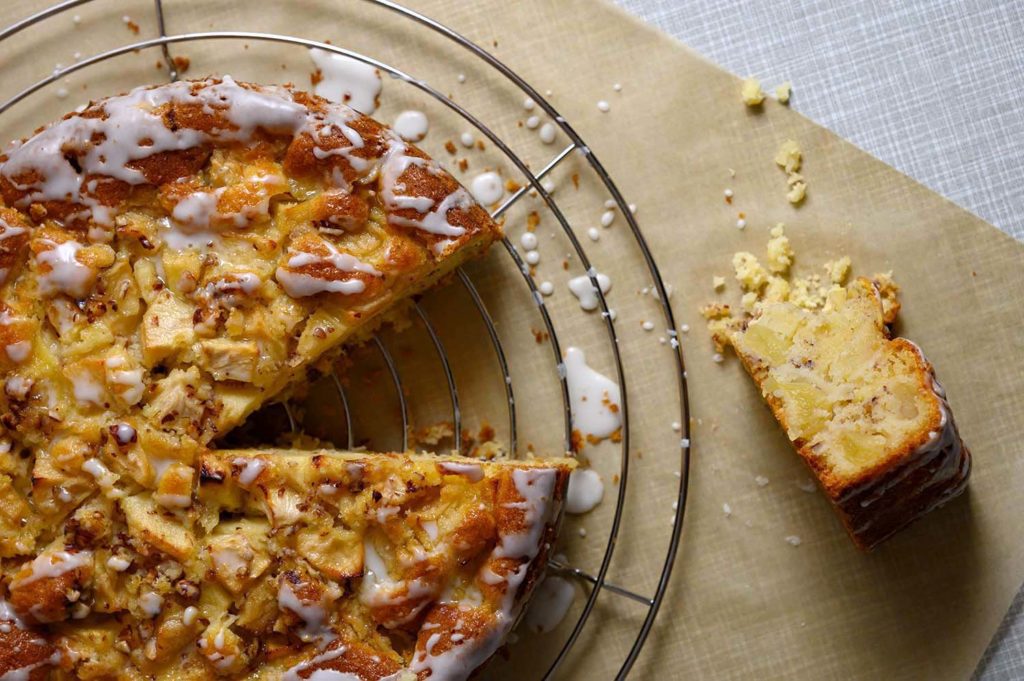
<point x="170" y="260"/>
<point x="862" y="409"/>
<point x="285" y="563"/>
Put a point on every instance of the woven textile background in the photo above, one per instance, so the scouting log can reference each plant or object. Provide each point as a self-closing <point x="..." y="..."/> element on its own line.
<point x="932" y="88"/>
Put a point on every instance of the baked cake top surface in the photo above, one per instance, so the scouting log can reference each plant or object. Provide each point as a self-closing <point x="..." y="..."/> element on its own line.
<point x="183" y="253"/>
<point x="289" y="562"/>
<point x="171" y="259"/>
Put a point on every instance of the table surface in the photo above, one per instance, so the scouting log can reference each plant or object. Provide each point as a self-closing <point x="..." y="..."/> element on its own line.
<point x="931" y="88"/>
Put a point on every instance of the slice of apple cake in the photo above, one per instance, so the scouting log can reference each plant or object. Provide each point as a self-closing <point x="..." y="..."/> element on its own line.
<point x="863" y="409"/>
<point x="170" y="260"/>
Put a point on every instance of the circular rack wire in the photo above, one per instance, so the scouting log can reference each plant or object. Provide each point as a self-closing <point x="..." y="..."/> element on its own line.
<point x="598" y="581"/>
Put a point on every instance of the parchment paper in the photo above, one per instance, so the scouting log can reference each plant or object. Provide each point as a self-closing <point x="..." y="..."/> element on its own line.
<point x="743" y="603"/>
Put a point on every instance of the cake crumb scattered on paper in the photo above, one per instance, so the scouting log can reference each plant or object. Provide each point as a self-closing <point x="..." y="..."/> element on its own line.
<point x="789" y="157"/>
<point x="718" y="283"/>
<point x="838" y="269"/>
<point x="780" y="253"/>
<point x="782" y="92"/>
<point x="797" y="192"/>
<point x="751" y="92"/>
<point x="776" y="283"/>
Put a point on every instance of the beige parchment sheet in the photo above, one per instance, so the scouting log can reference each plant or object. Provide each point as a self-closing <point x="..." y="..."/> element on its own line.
<point x="743" y="603"/>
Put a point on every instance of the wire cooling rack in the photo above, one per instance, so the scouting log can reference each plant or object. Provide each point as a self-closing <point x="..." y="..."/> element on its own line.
<point x="596" y="581"/>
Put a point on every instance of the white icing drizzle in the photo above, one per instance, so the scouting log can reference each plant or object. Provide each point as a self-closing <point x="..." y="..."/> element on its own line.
<point x="131" y="127"/>
<point x="129" y="121"/>
<point x="411" y="126"/>
<point x="151" y="603"/>
<point x="299" y="285"/>
<point x="379" y="589"/>
<point x="190" y="615"/>
<point x="198" y="208"/>
<point x="535" y="486"/>
<point x="339" y="118"/>
<point x="55" y="564"/>
<point x="585" y="491"/>
<point x="591" y="396"/>
<point x="430" y="527"/>
<point x="66" y="274"/>
<point x="347" y="81"/>
<point x="9" y="615"/>
<point x="19" y="352"/>
<point x="104" y="477"/>
<point x="487" y="188"/>
<point x="314" y="617"/>
<point x="251" y="469"/>
<point x="549" y="605"/>
<point x="434" y="218"/>
<point x="87" y="389"/>
<point x="473" y="471"/>
<point x="584" y="290"/>
<point x="333" y="653"/>
<point x="118" y="564"/>
<point x="131" y="380"/>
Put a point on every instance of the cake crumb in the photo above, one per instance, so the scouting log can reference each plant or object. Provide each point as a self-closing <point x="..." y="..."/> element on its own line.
<point x="794" y="540"/>
<point x="797" y="192"/>
<point x="775" y="283"/>
<point x="761" y="481"/>
<point x="789" y="156"/>
<point x="838" y="269"/>
<point x="783" y="91"/>
<point x="727" y="510"/>
<point x="750" y="274"/>
<point x="715" y="311"/>
<point x="718" y="283"/>
<point x="780" y="253"/>
<point x="751" y="92"/>
<point x="889" y="292"/>
<point x="807" y="486"/>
